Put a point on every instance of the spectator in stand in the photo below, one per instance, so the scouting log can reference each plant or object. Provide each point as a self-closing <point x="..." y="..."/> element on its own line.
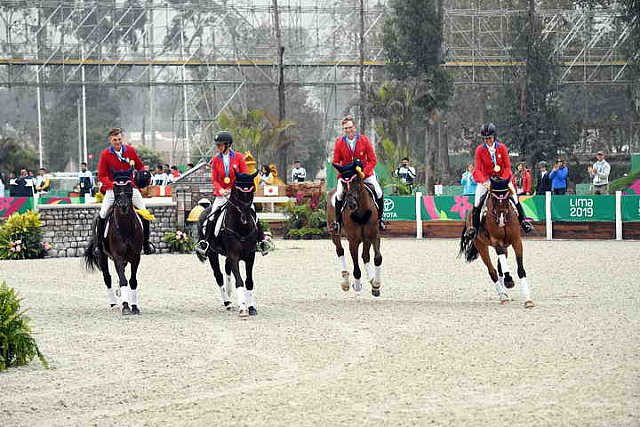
<point x="43" y="181"/>
<point x="298" y="173"/>
<point x="265" y="176"/>
<point x="599" y="172"/>
<point x="159" y="177"/>
<point x="522" y="180"/>
<point x="467" y="182"/>
<point x="175" y="173"/>
<point x="559" y="178"/>
<point x="544" y="182"/>
<point x="406" y="172"/>
<point x="86" y="180"/>
<point x="190" y="166"/>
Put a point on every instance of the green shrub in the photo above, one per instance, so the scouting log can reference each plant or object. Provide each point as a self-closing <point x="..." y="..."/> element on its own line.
<point x="179" y="241"/>
<point x="17" y="347"/>
<point x="21" y="237"/>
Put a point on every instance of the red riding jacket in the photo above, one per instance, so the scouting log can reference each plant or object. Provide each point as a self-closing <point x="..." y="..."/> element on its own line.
<point x="110" y="162"/>
<point x="218" y="174"/>
<point x="484" y="166"/>
<point x="342" y="154"/>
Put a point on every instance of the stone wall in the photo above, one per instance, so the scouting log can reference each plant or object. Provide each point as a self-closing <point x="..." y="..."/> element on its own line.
<point x="68" y="227"/>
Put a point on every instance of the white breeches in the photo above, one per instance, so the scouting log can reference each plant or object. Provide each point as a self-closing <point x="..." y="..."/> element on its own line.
<point x="481" y="190"/>
<point x="109" y="198"/>
<point x="371" y="180"/>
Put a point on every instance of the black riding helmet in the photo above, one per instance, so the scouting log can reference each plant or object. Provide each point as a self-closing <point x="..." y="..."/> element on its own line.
<point x="143" y="178"/>
<point x="223" y="137"/>
<point x="488" y="129"/>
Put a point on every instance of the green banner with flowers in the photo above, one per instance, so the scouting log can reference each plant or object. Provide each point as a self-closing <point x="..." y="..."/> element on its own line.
<point x="435" y="208"/>
<point x="11" y="205"/>
<point x="631" y="208"/>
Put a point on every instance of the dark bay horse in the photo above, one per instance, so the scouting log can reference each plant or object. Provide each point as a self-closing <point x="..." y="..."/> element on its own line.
<point x="499" y="229"/>
<point x="359" y="225"/>
<point x="123" y="244"/>
<point x="236" y="241"/>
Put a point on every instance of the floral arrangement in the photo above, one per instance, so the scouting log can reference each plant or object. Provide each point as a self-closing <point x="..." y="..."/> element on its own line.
<point x="179" y="241"/>
<point x="17" y="346"/>
<point x="21" y="237"/>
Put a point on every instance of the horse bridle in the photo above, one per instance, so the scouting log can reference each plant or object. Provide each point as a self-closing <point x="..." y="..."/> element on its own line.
<point x="501" y="196"/>
<point x="353" y="195"/>
<point x="125" y="196"/>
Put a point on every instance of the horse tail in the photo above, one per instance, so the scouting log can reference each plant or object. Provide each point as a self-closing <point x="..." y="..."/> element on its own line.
<point x="467" y="248"/>
<point x="91" y="261"/>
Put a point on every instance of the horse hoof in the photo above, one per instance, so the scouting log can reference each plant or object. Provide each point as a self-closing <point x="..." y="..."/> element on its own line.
<point x="529" y="304"/>
<point x="375" y="292"/>
<point x="253" y="311"/>
<point x="243" y="313"/>
<point x="509" y="283"/>
<point x="345" y="286"/>
<point x="227" y="305"/>
<point x="135" y="310"/>
<point x="504" y="299"/>
<point x="126" y="311"/>
<point x="357" y="287"/>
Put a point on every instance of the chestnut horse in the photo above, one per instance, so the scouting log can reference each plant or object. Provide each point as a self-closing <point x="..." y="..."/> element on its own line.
<point x="359" y="225"/>
<point x="499" y="229"/>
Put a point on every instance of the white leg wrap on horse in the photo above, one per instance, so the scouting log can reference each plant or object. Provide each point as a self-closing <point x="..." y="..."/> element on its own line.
<point x="251" y="302"/>
<point x="502" y="259"/>
<point x="378" y="273"/>
<point x="369" y="267"/>
<point x="133" y="296"/>
<point x="357" y="285"/>
<point x="223" y="293"/>
<point x="111" y="297"/>
<point x="241" y="296"/>
<point x="343" y="263"/>
<point x="500" y="289"/>
<point x="124" y="293"/>
<point x="524" y="289"/>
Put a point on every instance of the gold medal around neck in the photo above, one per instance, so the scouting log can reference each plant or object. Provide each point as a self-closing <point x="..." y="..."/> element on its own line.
<point x="496" y="168"/>
<point x="227" y="180"/>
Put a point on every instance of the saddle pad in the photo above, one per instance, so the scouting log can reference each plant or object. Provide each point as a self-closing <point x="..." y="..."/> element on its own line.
<point x="145" y="214"/>
<point x="218" y="225"/>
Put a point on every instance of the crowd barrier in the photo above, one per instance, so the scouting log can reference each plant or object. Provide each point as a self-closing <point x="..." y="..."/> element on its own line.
<point x="548" y="208"/>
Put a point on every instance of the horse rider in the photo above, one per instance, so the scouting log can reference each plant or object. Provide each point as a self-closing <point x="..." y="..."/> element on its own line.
<point x="119" y="157"/>
<point x="492" y="160"/>
<point x="353" y="145"/>
<point x="224" y="167"/>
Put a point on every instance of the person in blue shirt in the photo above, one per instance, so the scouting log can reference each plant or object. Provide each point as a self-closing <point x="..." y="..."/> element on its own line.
<point x="468" y="184"/>
<point x="559" y="178"/>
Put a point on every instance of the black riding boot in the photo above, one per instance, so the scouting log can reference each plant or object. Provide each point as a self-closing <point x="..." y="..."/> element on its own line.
<point x="337" y="224"/>
<point x="526" y="225"/>
<point x="380" y="203"/>
<point x="99" y="236"/>
<point x="472" y="231"/>
<point x="147" y="246"/>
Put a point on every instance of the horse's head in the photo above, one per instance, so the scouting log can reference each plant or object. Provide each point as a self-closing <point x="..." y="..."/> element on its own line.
<point x="244" y="188"/>
<point x="499" y="204"/>
<point x="351" y="176"/>
<point x="122" y="191"/>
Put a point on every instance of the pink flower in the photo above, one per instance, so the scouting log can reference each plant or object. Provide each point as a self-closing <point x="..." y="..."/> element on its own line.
<point x="18" y="248"/>
<point x="299" y="197"/>
<point x="46" y="246"/>
<point x="12" y="249"/>
<point x="18" y="242"/>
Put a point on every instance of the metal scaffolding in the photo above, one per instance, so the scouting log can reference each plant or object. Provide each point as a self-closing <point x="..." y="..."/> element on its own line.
<point x="217" y="52"/>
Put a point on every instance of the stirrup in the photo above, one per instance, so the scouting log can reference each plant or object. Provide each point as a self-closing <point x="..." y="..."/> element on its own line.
<point x="335" y="228"/>
<point x="202" y="247"/>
